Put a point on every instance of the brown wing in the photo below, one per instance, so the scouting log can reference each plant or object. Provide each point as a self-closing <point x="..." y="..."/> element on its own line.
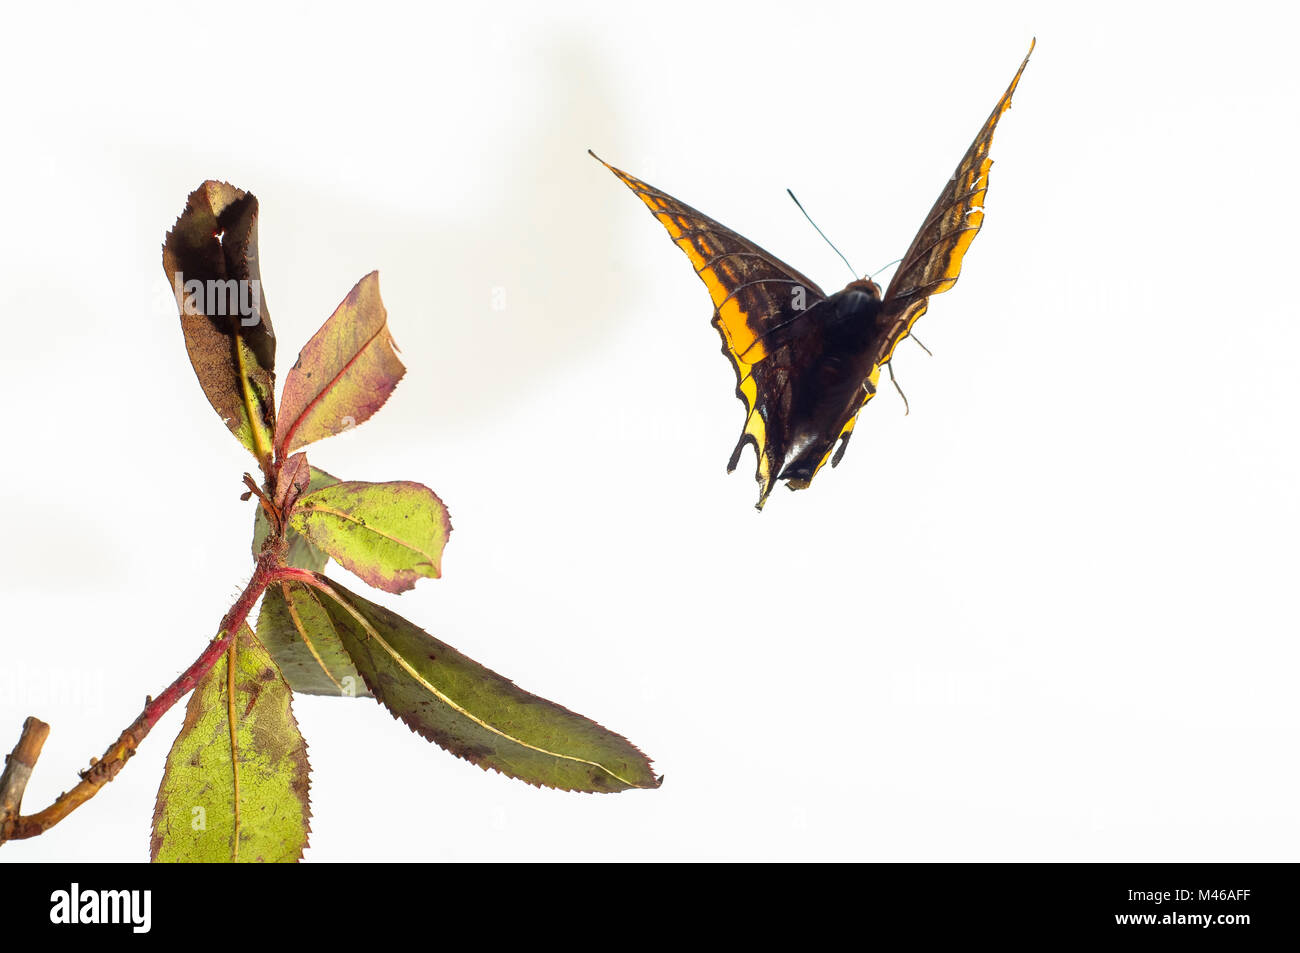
<point x="758" y="301"/>
<point x="933" y="261"/>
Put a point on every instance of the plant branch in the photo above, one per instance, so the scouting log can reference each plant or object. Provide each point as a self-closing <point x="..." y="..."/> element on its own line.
<point x="14" y="826"/>
<point x="18" y="769"/>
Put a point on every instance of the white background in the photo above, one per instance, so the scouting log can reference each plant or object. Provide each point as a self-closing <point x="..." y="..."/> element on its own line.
<point x="1050" y="615"/>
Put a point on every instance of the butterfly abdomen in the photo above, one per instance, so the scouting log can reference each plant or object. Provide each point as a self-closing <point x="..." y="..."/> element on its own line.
<point x="829" y="391"/>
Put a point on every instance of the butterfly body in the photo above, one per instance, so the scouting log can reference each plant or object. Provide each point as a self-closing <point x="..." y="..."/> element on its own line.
<point x="820" y="369"/>
<point x="806" y="362"/>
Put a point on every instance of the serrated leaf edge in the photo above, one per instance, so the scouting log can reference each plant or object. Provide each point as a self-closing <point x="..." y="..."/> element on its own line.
<point x="406" y="666"/>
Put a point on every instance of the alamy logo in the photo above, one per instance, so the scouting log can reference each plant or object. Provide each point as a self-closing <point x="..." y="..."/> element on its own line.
<point x="218" y="297"/>
<point x="102" y="906"/>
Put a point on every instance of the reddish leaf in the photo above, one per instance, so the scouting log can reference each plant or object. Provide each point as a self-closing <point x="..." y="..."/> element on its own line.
<point x="293" y="480"/>
<point x="343" y="375"/>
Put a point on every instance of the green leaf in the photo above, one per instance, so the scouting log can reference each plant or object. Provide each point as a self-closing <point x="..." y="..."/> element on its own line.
<point x="300" y="635"/>
<point x="302" y="554"/>
<point x="343" y="375"/>
<point x="475" y="713"/>
<point x="195" y="818"/>
<point x="389" y="534"/>
<point x="210" y="258"/>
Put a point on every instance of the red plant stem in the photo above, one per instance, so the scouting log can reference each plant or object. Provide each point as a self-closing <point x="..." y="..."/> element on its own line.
<point x="290" y="573"/>
<point x="105" y="769"/>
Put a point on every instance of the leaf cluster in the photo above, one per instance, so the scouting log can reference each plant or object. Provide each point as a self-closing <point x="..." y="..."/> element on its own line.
<point x="237" y="778"/>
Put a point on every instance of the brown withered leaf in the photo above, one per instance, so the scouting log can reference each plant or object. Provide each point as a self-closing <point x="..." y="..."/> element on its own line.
<point x="210" y="259"/>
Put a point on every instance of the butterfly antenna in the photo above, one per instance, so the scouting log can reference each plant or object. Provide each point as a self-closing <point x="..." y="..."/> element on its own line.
<point x="894" y="380"/>
<point x="872" y="276"/>
<point x="822" y="234"/>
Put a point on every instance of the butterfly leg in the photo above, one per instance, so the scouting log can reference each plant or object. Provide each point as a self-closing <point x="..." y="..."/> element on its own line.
<point x="894" y="380"/>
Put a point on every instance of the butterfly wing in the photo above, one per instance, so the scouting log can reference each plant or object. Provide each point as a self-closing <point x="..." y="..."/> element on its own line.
<point x="758" y="306"/>
<point x="930" y="267"/>
<point x="933" y="261"/>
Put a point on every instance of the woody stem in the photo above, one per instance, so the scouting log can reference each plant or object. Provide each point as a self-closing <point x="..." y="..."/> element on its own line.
<point x="15" y="826"/>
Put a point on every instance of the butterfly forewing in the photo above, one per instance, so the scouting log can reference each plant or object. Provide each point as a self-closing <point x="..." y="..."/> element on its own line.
<point x="933" y="261"/>
<point x="757" y="302"/>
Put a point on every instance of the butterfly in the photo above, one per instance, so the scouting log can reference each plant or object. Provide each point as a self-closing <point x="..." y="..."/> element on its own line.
<point x="807" y="362"/>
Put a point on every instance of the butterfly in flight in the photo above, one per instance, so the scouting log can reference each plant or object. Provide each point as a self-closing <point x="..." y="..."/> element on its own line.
<point x="807" y="362"/>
